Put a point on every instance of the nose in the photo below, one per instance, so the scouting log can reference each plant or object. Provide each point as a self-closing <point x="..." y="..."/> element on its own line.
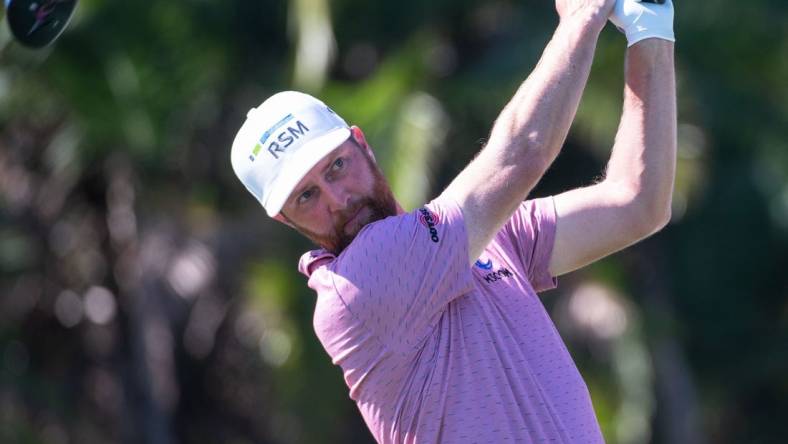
<point x="337" y="198"/>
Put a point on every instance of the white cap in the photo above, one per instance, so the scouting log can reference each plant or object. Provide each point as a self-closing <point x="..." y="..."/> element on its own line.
<point x="281" y="140"/>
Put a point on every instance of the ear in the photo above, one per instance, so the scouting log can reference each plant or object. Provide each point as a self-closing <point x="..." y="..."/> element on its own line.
<point x="358" y="135"/>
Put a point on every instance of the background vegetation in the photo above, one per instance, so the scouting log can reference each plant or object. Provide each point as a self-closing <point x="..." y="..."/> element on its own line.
<point x="145" y="297"/>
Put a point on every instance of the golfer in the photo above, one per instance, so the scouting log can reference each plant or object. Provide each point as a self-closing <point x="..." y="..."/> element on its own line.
<point x="433" y="314"/>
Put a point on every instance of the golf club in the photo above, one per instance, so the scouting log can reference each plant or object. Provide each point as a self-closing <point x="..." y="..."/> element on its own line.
<point x="37" y="23"/>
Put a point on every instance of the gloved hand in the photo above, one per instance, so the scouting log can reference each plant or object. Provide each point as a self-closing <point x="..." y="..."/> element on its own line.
<point x="640" y="20"/>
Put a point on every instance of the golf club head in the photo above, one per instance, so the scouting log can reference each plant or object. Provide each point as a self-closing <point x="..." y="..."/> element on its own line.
<point x="37" y="23"/>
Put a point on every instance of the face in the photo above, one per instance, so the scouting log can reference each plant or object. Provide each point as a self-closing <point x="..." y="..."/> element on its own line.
<point x="339" y="196"/>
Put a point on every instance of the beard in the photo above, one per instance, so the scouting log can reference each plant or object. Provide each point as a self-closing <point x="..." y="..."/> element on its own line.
<point x="377" y="206"/>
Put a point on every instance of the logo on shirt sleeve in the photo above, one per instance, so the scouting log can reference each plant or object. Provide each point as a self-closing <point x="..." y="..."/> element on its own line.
<point x="430" y="220"/>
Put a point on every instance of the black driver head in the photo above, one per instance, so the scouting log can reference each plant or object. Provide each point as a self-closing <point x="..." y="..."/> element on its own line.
<point x="36" y="23"/>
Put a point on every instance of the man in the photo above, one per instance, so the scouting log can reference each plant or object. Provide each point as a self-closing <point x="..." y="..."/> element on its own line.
<point x="432" y="314"/>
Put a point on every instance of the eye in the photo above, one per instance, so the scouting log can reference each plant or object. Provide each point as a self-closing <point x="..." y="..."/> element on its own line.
<point x="338" y="164"/>
<point x="305" y="196"/>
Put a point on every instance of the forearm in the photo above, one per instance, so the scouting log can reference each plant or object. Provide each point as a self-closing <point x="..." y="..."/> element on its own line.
<point x="533" y="126"/>
<point x="643" y="161"/>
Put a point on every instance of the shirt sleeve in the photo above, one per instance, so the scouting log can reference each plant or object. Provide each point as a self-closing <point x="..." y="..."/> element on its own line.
<point x="530" y="233"/>
<point x="399" y="274"/>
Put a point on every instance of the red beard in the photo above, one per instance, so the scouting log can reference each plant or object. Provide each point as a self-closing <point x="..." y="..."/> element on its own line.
<point x="379" y="205"/>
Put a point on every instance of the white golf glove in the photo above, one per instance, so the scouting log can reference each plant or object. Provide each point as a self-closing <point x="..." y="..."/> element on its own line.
<point x="639" y="21"/>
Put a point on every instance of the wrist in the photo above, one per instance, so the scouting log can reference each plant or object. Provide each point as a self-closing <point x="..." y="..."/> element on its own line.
<point x="638" y="36"/>
<point x="652" y="50"/>
<point x="585" y="27"/>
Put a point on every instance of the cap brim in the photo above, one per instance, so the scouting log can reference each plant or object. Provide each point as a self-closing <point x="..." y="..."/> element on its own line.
<point x="299" y="165"/>
<point x="38" y="23"/>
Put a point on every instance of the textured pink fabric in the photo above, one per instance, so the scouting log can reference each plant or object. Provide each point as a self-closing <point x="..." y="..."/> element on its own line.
<point x="435" y="350"/>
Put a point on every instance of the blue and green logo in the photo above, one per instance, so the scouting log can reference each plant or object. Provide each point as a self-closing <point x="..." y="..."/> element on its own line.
<point x="266" y="135"/>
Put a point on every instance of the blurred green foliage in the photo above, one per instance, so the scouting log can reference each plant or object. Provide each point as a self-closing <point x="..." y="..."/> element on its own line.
<point x="115" y="180"/>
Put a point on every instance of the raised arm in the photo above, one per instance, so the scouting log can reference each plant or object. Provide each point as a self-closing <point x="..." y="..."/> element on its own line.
<point x="531" y="129"/>
<point x="633" y="201"/>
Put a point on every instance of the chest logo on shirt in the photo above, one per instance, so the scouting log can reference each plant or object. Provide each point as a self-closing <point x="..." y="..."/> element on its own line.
<point x="493" y="276"/>
<point x="430" y="220"/>
<point x="484" y="265"/>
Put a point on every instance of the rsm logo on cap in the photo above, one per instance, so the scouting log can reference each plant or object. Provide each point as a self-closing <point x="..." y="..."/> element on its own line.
<point x="283" y="140"/>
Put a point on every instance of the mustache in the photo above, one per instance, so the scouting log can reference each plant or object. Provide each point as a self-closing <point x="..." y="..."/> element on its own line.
<point x="379" y="209"/>
<point x="343" y="218"/>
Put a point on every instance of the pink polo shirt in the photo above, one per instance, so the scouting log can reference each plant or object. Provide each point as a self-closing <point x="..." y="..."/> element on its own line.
<point x="435" y="350"/>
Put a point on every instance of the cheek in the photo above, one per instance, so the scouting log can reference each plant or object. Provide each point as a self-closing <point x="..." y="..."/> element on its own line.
<point x="362" y="179"/>
<point x="317" y="220"/>
<point x="310" y="220"/>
